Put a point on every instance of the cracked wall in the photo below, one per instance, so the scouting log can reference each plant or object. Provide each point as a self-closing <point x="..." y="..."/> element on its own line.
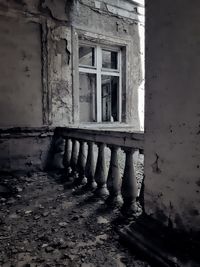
<point x="36" y="87"/>
<point x="119" y="20"/>
<point x="172" y="140"/>
<point x="36" y="83"/>
<point x="50" y="88"/>
<point x="60" y="75"/>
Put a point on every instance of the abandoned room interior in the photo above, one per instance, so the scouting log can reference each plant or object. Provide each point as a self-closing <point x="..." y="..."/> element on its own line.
<point x="99" y="133"/>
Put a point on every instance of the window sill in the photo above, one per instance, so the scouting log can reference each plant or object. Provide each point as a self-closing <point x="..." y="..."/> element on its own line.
<point x="106" y="126"/>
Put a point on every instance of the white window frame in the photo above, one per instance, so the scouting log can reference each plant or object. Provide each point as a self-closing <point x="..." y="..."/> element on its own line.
<point x="99" y="71"/>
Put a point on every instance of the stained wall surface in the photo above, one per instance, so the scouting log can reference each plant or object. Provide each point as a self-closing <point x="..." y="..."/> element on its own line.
<point x="103" y="18"/>
<point x="21" y="75"/>
<point x="37" y="85"/>
<point x="29" y="154"/>
<point x="172" y="133"/>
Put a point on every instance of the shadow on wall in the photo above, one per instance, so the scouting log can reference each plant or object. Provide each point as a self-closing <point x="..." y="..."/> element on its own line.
<point x="55" y="154"/>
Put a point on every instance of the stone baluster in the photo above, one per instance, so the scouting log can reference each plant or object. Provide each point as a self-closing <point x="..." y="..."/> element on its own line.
<point x="67" y="157"/>
<point x="100" y="172"/>
<point x="74" y="157"/>
<point x="114" y="180"/>
<point x="81" y="163"/>
<point x="129" y="184"/>
<point x="90" y="168"/>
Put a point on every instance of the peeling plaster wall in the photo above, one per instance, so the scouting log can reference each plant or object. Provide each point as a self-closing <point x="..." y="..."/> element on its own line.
<point x="36" y="82"/>
<point x="57" y="9"/>
<point x="109" y="18"/>
<point x="123" y="20"/>
<point x="36" y="86"/>
<point x="60" y="75"/>
<point x="172" y="133"/>
<point x="36" y="53"/>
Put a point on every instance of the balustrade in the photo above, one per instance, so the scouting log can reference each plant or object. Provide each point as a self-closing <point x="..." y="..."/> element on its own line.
<point x="114" y="179"/>
<point x="100" y="173"/>
<point x="74" y="158"/>
<point x="81" y="179"/>
<point x="117" y="190"/>
<point x="90" y="167"/>
<point x="129" y="183"/>
<point x="67" y="157"/>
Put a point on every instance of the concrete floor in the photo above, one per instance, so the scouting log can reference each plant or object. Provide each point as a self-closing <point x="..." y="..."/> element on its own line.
<point x="45" y="223"/>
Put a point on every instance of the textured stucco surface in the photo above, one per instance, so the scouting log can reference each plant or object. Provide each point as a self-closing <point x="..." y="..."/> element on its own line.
<point x="20" y="68"/>
<point x="37" y="54"/>
<point x="98" y="19"/>
<point x="26" y="149"/>
<point x="172" y="134"/>
<point x="24" y="154"/>
<point x="37" y="81"/>
<point x="60" y="75"/>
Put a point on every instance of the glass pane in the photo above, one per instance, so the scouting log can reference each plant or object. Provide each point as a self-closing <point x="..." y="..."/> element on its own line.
<point x="109" y="59"/>
<point x="86" y="56"/>
<point x="110" y="89"/>
<point x="87" y="94"/>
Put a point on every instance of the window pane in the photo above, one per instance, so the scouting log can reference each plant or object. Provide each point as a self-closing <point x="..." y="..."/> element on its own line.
<point x="86" y="56"/>
<point x="87" y="95"/>
<point x="110" y="103"/>
<point x="109" y="59"/>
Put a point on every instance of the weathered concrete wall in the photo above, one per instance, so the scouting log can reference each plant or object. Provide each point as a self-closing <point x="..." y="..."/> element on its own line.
<point x="36" y="86"/>
<point x="48" y="71"/>
<point x="36" y="52"/>
<point x="20" y="68"/>
<point x="172" y="140"/>
<point x="25" y="149"/>
<point x="60" y="75"/>
<point x="121" y="20"/>
<point x="36" y="82"/>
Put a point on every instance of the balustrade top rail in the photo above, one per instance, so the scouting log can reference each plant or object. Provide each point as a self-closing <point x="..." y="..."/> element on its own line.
<point x="120" y="137"/>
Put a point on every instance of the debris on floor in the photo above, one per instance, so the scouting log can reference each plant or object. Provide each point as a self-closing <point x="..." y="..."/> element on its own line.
<point x="43" y="223"/>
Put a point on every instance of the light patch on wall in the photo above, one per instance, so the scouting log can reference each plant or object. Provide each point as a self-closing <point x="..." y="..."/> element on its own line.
<point x="141" y="89"/>
<point x="98" y="4"/>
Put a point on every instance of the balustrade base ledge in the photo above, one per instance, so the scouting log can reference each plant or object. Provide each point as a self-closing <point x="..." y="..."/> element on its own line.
<point x="114" y="201"/>
<point x="82" y="180"/>
<point x="101" y="192"/>
<point x="90" y="186"/>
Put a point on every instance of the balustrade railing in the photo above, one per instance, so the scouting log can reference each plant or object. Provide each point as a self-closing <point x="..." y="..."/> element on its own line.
<point x="79" y="163"/>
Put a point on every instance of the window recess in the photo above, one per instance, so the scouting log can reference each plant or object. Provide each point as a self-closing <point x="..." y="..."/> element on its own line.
<point x="99" y="83"/>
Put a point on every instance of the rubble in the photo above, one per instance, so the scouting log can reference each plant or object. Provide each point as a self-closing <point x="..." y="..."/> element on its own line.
<point x="49" y="226"/>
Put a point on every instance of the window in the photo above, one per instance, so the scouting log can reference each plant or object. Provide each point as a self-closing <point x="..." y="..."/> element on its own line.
<point x="99" y="83"/>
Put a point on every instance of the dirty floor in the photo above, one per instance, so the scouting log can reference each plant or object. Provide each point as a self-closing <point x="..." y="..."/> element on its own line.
<point x="44" y="222"/>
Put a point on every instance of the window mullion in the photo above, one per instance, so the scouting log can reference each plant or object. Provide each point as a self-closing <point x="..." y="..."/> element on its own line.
<point x="87" y="70"/>
<point x="107" y="73"/>
<point x="120" y="88"/>
<point x="98" y="96"/>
